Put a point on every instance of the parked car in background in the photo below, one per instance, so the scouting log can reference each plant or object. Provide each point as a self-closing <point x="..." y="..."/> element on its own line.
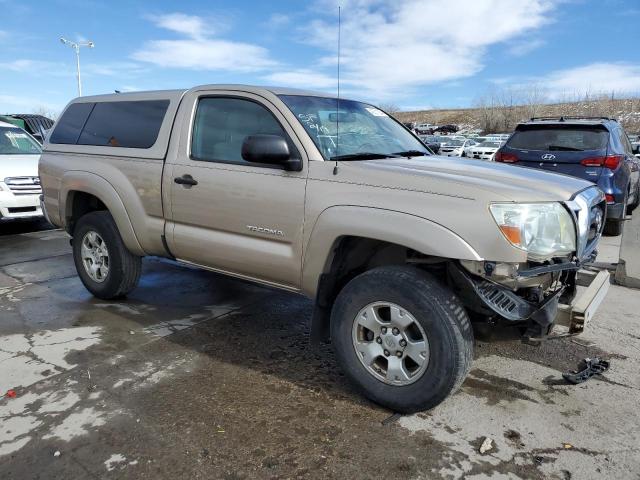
<point x="424" y="128"/>
<point x="483" y="150"/>
<point x="19" y="183"/>
<point x="595" y="149"/>
<point x="36" y="125"/>
<point x="455" y="147"/>
<point x="446" y="129"/>
<point x="433" y="145"/>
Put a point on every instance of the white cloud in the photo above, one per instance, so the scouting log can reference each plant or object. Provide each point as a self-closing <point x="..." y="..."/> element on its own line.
<point x="278" y="20"/>
<point x="308" y="79"/>
<point x="23" y="65"/>
<point x="20" y="104"/>
<point x="523" y="47"/>
<point x="595" y="78"/>
<point x="201" y="50"/>
<point x="391" y="47"/>
<point x="189" y="25"/>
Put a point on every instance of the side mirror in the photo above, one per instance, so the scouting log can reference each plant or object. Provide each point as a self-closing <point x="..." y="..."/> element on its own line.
<point x="636" y="149"/>
<point x="269" y="149"/>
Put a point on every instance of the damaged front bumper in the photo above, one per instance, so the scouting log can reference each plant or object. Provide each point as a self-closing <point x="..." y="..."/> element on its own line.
<point x="538" y="306"/>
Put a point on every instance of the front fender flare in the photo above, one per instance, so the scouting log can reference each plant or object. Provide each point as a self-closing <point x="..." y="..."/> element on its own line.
<point x="417" y="233"/>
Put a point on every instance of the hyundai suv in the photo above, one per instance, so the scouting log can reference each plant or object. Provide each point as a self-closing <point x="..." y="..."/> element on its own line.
<point x="593" y="148"/>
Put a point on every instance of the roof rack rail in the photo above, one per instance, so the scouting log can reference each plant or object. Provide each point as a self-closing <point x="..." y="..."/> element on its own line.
<point x="562" y="118"/>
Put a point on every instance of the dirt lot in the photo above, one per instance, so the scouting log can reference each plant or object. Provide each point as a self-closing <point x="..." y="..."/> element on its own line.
<point x="200" y="376"/>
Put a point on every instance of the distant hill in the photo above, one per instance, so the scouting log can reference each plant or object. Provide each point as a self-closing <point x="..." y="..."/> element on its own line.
<point x="493" y="117"/>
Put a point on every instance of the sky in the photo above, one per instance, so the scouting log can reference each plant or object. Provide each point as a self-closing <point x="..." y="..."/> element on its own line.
<point x="414" y="54"/>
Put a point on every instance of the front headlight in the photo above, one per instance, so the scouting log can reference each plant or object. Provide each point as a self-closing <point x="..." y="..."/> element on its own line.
<point x="543" y="230"/>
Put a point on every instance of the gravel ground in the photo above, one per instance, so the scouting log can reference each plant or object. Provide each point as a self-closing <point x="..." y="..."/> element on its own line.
<point x="200" y="376"/>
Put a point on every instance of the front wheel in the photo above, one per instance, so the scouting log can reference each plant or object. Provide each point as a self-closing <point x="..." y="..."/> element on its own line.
<point x="105" y="266"/>
<point x="402" y="338"/>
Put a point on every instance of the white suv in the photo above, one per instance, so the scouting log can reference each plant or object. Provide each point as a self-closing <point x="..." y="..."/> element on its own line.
<point x="19" y="183"/>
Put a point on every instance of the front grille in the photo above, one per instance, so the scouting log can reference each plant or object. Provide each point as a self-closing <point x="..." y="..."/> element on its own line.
<point x="24" y="185"/>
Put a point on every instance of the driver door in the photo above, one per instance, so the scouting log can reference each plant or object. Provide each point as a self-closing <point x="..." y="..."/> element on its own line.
<point x="227" y="214"/>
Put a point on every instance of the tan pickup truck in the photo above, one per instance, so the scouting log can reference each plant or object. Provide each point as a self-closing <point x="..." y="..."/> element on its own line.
<point x="401" y="250"/>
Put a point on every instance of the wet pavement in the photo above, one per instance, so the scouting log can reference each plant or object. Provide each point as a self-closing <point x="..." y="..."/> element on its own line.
<point x="196" y="375"/>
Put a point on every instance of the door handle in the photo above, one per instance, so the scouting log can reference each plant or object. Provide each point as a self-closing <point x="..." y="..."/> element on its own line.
<point x="186" y="180"/>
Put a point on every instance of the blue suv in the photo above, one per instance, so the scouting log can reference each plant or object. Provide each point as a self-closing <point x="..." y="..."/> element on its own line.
<point x="593" y="148"/>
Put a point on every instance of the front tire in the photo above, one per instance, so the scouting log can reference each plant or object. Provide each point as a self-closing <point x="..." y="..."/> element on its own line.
<point x="402" y="338"/>
<point x="105" y="266"/>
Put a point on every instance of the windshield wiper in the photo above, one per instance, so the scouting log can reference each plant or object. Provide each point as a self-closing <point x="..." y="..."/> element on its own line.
<point x="412" y="153"/>
<point x="363" y="156"/>
<point x="564" y="149"/>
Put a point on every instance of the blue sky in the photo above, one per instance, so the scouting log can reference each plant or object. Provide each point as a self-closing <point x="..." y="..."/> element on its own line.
<point x="414" y="54"/>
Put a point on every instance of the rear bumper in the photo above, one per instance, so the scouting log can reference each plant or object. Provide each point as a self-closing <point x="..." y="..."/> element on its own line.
<point x="14" y="207"/>
<point x="615" y="211"/>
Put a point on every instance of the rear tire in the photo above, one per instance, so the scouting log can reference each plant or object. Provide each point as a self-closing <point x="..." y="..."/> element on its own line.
<point x="105" y="266"/>
<point x="435" y="311"/>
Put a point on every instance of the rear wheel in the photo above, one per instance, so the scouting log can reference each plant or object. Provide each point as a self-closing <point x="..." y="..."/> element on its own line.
<point x="105" y="266"/>
<point x="613" y="227"/>
<point x="401" y="337"/>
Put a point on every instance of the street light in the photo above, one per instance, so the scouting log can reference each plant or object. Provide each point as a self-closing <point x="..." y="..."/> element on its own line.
<point x="76" y="46"/>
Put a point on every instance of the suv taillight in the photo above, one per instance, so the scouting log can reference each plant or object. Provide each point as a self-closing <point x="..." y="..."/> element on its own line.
<point x="505" y="157"/>
<point x="610" y="161"/>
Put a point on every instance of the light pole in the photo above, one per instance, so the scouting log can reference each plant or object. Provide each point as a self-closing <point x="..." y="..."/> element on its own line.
<point x="76" y="46"/>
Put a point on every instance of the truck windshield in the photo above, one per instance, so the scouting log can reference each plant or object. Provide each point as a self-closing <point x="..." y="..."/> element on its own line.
<point x="354" y="131"/>
<point x="14" y="141"/>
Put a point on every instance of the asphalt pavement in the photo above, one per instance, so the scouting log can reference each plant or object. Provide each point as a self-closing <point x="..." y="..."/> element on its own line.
<point x="196" y="375"/>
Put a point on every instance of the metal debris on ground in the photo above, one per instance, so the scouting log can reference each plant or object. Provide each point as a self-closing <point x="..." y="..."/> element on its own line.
<point x="586" y="369"/>
<point x="487" y="445"/>
<point x="56" y="453"/>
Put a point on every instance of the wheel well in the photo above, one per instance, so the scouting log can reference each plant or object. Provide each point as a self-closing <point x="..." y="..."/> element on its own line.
<point x="79" y="204"/>
<point x="352" y="256"/>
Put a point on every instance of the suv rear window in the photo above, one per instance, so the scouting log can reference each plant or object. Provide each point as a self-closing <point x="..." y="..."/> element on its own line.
<point x="553" y="138"/>
<point x="128" y="124"/>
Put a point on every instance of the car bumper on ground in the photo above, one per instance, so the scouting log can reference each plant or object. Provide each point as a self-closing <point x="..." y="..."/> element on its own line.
<point x="14" y="207"/>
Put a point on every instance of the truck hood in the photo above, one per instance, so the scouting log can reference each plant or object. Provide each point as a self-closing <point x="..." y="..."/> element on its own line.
<point x="18" y="166"/>
<point x="468" y="178"/>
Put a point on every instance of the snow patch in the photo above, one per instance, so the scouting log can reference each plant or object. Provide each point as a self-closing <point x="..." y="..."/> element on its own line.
<point x="114" y="460"/>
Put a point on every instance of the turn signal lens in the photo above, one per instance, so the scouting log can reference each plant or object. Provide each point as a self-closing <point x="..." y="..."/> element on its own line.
<point x="512" y="234"/>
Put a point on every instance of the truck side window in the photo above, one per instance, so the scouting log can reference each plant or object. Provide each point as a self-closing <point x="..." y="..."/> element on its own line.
<point x="222" y="124"/>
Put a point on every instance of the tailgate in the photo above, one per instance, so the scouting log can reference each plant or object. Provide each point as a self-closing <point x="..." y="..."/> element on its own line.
<point x="567" y="163"/>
